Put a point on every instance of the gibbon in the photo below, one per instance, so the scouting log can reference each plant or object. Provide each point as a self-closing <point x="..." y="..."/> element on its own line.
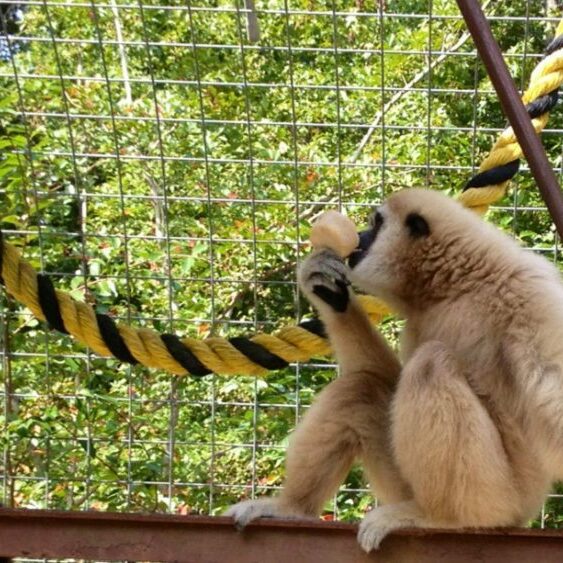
<point x="466" y="428"/>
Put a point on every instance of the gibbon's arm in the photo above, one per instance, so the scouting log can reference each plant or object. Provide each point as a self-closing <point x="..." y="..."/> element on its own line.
<point x="349" y="418"/>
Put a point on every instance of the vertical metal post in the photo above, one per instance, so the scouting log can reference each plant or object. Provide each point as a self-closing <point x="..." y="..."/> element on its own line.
<point x="252" y="25"/>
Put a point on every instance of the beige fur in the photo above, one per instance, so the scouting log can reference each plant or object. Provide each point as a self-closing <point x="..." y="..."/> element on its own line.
<point x="468" y="431"/>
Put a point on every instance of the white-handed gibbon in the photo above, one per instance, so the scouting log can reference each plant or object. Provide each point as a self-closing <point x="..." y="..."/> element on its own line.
<point x="466" y="428"/>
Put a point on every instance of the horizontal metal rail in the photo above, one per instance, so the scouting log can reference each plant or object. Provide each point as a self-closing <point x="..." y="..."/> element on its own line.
<point x="278" y="12"/>
<point x="201" y="539"/>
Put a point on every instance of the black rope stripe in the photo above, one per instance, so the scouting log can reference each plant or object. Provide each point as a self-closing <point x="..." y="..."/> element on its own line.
<point x="555" y="45"/>
<point x="184" y="356"/>
<point x="113" y="340"/>
<point x="314" y="326"/>
<point x="535" y="109"/>
<point x="493" y="176"/>
<point x="49" y="303"/>
<point x="543" y="104"/>
<point x="47" y="297"/>
<point x="257" y="353"/>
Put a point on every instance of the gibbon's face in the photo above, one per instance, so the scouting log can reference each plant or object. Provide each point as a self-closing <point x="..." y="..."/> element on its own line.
<point x="400" y="250"/>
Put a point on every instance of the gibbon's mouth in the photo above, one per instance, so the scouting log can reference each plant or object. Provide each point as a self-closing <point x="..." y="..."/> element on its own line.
<point x="366" y="240"/>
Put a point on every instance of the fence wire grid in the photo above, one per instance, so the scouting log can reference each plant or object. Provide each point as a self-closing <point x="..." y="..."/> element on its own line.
<point x="164" y="161"/>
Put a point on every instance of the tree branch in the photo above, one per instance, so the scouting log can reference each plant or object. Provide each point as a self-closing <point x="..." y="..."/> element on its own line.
<point x="398" y="95"/>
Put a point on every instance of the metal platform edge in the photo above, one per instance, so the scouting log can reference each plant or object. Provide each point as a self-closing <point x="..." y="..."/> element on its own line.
<point x="103" y="536"/>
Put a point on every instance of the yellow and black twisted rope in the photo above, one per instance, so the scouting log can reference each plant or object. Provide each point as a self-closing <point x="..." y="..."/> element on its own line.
<point x="254" y="355"/>
<point x="258" y="354"/>
<point x="502" y="163"/>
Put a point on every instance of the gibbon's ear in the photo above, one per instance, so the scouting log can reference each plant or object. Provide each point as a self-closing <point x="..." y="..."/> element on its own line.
<point x="417" y="225"/>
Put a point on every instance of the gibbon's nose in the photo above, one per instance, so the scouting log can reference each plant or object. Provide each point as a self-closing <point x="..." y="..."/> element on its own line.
<point x="366" y="239"/>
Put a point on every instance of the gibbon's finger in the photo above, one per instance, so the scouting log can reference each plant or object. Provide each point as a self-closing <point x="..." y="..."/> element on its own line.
<point x="329" y="272"/>
<point x="325" y="280"/>
<point x="327" y="263"/>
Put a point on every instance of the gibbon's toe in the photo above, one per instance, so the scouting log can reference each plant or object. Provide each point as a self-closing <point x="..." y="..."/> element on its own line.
<point x="370" y="534"/>
<point x="385" y="519"/>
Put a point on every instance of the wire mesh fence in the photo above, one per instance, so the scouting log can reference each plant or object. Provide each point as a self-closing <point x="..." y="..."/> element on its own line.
<point x="164" y="161"/>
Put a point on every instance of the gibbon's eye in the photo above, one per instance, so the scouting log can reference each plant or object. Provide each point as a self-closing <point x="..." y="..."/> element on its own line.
<point x="417" y="225"/>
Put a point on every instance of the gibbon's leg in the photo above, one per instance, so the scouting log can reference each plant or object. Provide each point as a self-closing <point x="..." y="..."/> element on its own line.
<point x="349" y="419"/>
<point x="448" y="450"/>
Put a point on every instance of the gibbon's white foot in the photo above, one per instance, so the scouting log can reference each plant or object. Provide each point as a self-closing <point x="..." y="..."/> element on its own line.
<point x="385" y="519"/>
<point x="246" y="511"/>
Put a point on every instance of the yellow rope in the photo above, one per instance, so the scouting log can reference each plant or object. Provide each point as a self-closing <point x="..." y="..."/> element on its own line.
<point x="546" y="77"/>
<point x="292" y="343"/>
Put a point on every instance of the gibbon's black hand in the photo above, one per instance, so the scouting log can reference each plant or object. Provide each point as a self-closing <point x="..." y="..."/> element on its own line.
<point x="325" y="275"/>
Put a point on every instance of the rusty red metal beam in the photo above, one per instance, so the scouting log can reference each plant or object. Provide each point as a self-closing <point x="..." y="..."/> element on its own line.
<point x="490" y="53"/>
<point x="202" y="539"/>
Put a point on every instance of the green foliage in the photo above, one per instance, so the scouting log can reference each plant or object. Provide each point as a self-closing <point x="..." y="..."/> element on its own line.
<point x="204" y="241"/>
